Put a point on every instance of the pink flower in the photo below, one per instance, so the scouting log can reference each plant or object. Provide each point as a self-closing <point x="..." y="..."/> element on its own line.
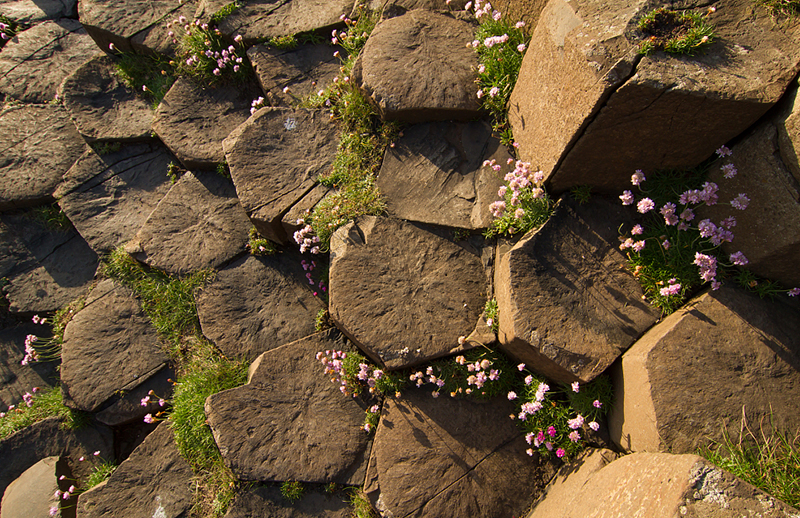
<point x="112" y="47"/>
<point x="739" y="259"/>
<point x="237" y="38"/>
<point x="687" y="215"/>
<point x="723" y="151"/>
<point x="479" y="94"/>
<point x="519" y="213"/>
<point x="638" y="177"/>
<point x="672" y="289"/>
<point x="576" y="386"/>
<point x="574" y="436"/>
<point x="519" y="25"/>
<point x="560" y="452"/>
<point x="551" y="431"/>
<point x="576" y="423"/>
<point x="521" y="367"/>
<point x="148" y="418"/>
<point x="626" y="197"/>
<point x="728" y="170"/>
<point x="494" y="92"/>
<point x="512" y="396"/>
<point x="594" y="426"/>
<point x="54" y="510"/>
<point x="794" y="292"/>
<point x="529" y="451"/>
<point x="597" y="403"/>
<point x="740" y="202"/>
<point x="666" y="244"/>
<point x="638" y="246"/>
<point x="637" y="230"/>
<point x="521" y="47"/>
<point x="645" y="205"/>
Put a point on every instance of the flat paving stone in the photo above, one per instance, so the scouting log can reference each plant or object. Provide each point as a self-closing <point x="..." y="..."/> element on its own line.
<point x="268" y="501"/>
<point x="30" y="12"/>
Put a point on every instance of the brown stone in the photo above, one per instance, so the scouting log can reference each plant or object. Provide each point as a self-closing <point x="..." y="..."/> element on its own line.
<point x="402" y="294"/>
<point x="33" y="493"/>
<point x="727" y="355"/>
<point x="30" y="12"/>
<point x="268" y="501"/>
<point x="568" y="306"/>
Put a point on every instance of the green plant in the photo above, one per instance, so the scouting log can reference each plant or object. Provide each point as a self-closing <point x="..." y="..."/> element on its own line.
<point x="43" y="404"/>
<point x="150" y="75"/>
<point x="581" y="193"/>
<point x="106" y="148"/>
<point x="322" y="321"/>
<point x="767" y="459"/>
<point x="762" y="287"/>
<point x="360" y="504"/>
<point x="100" y="473"/>
<point x="524" y="204"/>
<point x="259" y="245"/>
<point x="292" y="490"/>
<point x="52" y="217"/>
<point x="8" y="29"/>
<point x="223" y="170"/>
<point x="174" y="171"/>
<point x="226" y="11"/>
<point x="206" y="54"/>
<point x="282" y="42"/>
<point x="781" y="7"/>
<point x="490" y="313"/>
<point x="675" y="32"/>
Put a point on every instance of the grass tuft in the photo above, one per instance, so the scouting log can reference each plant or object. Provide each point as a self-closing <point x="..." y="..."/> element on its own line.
<point x="148" y="75"/>
<point x="99" y="474"/>
<point x="361" y="507"/>
<point x="292" y="490"/>
<point x="46" y="403"/>
<point x="675" y="32"/>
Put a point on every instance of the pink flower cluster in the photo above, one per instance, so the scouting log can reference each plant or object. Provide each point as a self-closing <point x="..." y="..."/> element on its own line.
<point x="3" y="28"/>
<point x="256" y="104"/>
<point x="146" y="400"/>
<point x="308" y="268"/>
<point x="306" y="239"/>
<point x="31" y="354"/>
<point x="520" y="181"/>
<point x="673" y="288"/>
<point x="223" y="59"/>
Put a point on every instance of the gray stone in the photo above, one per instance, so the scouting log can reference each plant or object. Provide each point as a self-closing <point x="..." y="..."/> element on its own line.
<point x="262" y="19"/>
<point x="49" y="438"/>
<point x="154" y="481"/>
<point x="304" y="70"/>
<point x="193" y="120"/>
<point x="727" y="355"/>
<point x="109" y="346"/>
<point x="46" y="268"/>
<point x="102" y="107"/>
<point x="274" y="158"/>
<point x="16" y="379"/>
<point x="34" y="62"/>
<point x="40" y="144"/>
<point x="30" y="12"/>
<point x="568" y="306"/>
<point x="392" y="8"/>
<point x="654" y="484"/>
<point x="198" y="224"/>
<point x="469" y="454"/>
<point x="268" y="501"/>
<point x="588" y="110"/>
<point x="290" y="422"/>
<point x="109" y="197"/>
<point x="434" y="174"/>
<point x="127" y="407"/>
<point x="416" y="68"/>
<point x="257" y="304"/>
<point x="402" y="294"/>
<point x="33" y="493"/>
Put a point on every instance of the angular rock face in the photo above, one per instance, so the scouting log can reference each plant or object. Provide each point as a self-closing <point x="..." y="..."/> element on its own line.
<point x="109" y="197"/>
<point x="16" y="379"/>
<point x="268" y="501"/>
<point x="128" y="406"/>
<point x="290" y="422"/>
<point x="198" y="224"/>
<point x="102" y="107"/>
<point x="32" y="494"/>
<point x="305" y="70"/>
<point x="193" y="120"/>
<point x="49" y="438"/>
<point x="257" y="304"/>
<point x="110" y="345"/>
<point x="434" y="174"/>
<point x="40" y="144"/>
<point x="655" y="484"/>
<point x="35" y="62"/>
<point x="587" y="110"/>
<point x="112" y="22"/>
<point x="275" y="158"/>
<point x="416" y="68"/>
<point x="469" y="454"/>
<point x="568" y="307"/>
<point x="153" y="481"/>
<point x="402" y="294"/>
<point x="30" y="12"/>
<point x="262" y="19"/>
<point x="725" y="351"/>
<point x="46" y="268"/>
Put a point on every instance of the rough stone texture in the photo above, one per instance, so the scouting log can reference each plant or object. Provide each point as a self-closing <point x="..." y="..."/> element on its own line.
<point x="257" y="304"/>
<point x="134" y="25"/>
<point x="127" y="407"/>
<point x="568" y="306"/>
<point x="582" y="93"/>
<point x="275" y="158"/>
<point x="46" y="268"/>
<point x="33" y="493"/>
<point x="16" y="379"/>
<point x="33" y="63"/>
<point x="39" y="145"/>
<point x="788" y="124"/>
<point x="154" y="481"/>
<point x="193" y="120"/>
<point x="656" y="485"/>
<point x="402" y="294"/>
<point x="110" y="345"/>
<point x="102" y="107"/>
<point x="48" y="438"/>
<point x="434" y="174"/>
<point x="305" y="70"/>
<point x="392" y="8"/>
<point x="109" y="197"/>
<point x="290" y="422"/>
<point x="268" y="501"/>
<point x="415" y="68"/>
<point x="768" y="231"/>
<point x="259" y="19"/>
<point x="724" y="352"/>
<point x="31" y="12"/>
<point x="303" y="208"/>
<point x="469" y="454"/>
<point x="198" y="224"/>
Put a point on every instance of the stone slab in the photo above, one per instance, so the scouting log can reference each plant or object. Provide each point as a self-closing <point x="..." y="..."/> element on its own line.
<point x="33" y="493"/>
<point x="40" y="144"/>
<point x="102" y="107"/>
<point x="402" y="294"/>
<point x="35" y="62"/>
<point x="434" y="174"/>
<point x="274" y="158"/>
<point x="568" y="305"/>
<point x="198" y="224"/>
<point x="268" y="501"/>
<point x="126" y="408"/>
<point x="290" y="422"/>
<point x="109" y="346"/>
<point x="726" y="356"/>
<point x="257" y="304"/>
<point x="30" y="12"/>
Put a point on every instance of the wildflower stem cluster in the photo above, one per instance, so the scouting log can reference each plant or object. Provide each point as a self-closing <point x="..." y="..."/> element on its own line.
<point x="524" y="204"/>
